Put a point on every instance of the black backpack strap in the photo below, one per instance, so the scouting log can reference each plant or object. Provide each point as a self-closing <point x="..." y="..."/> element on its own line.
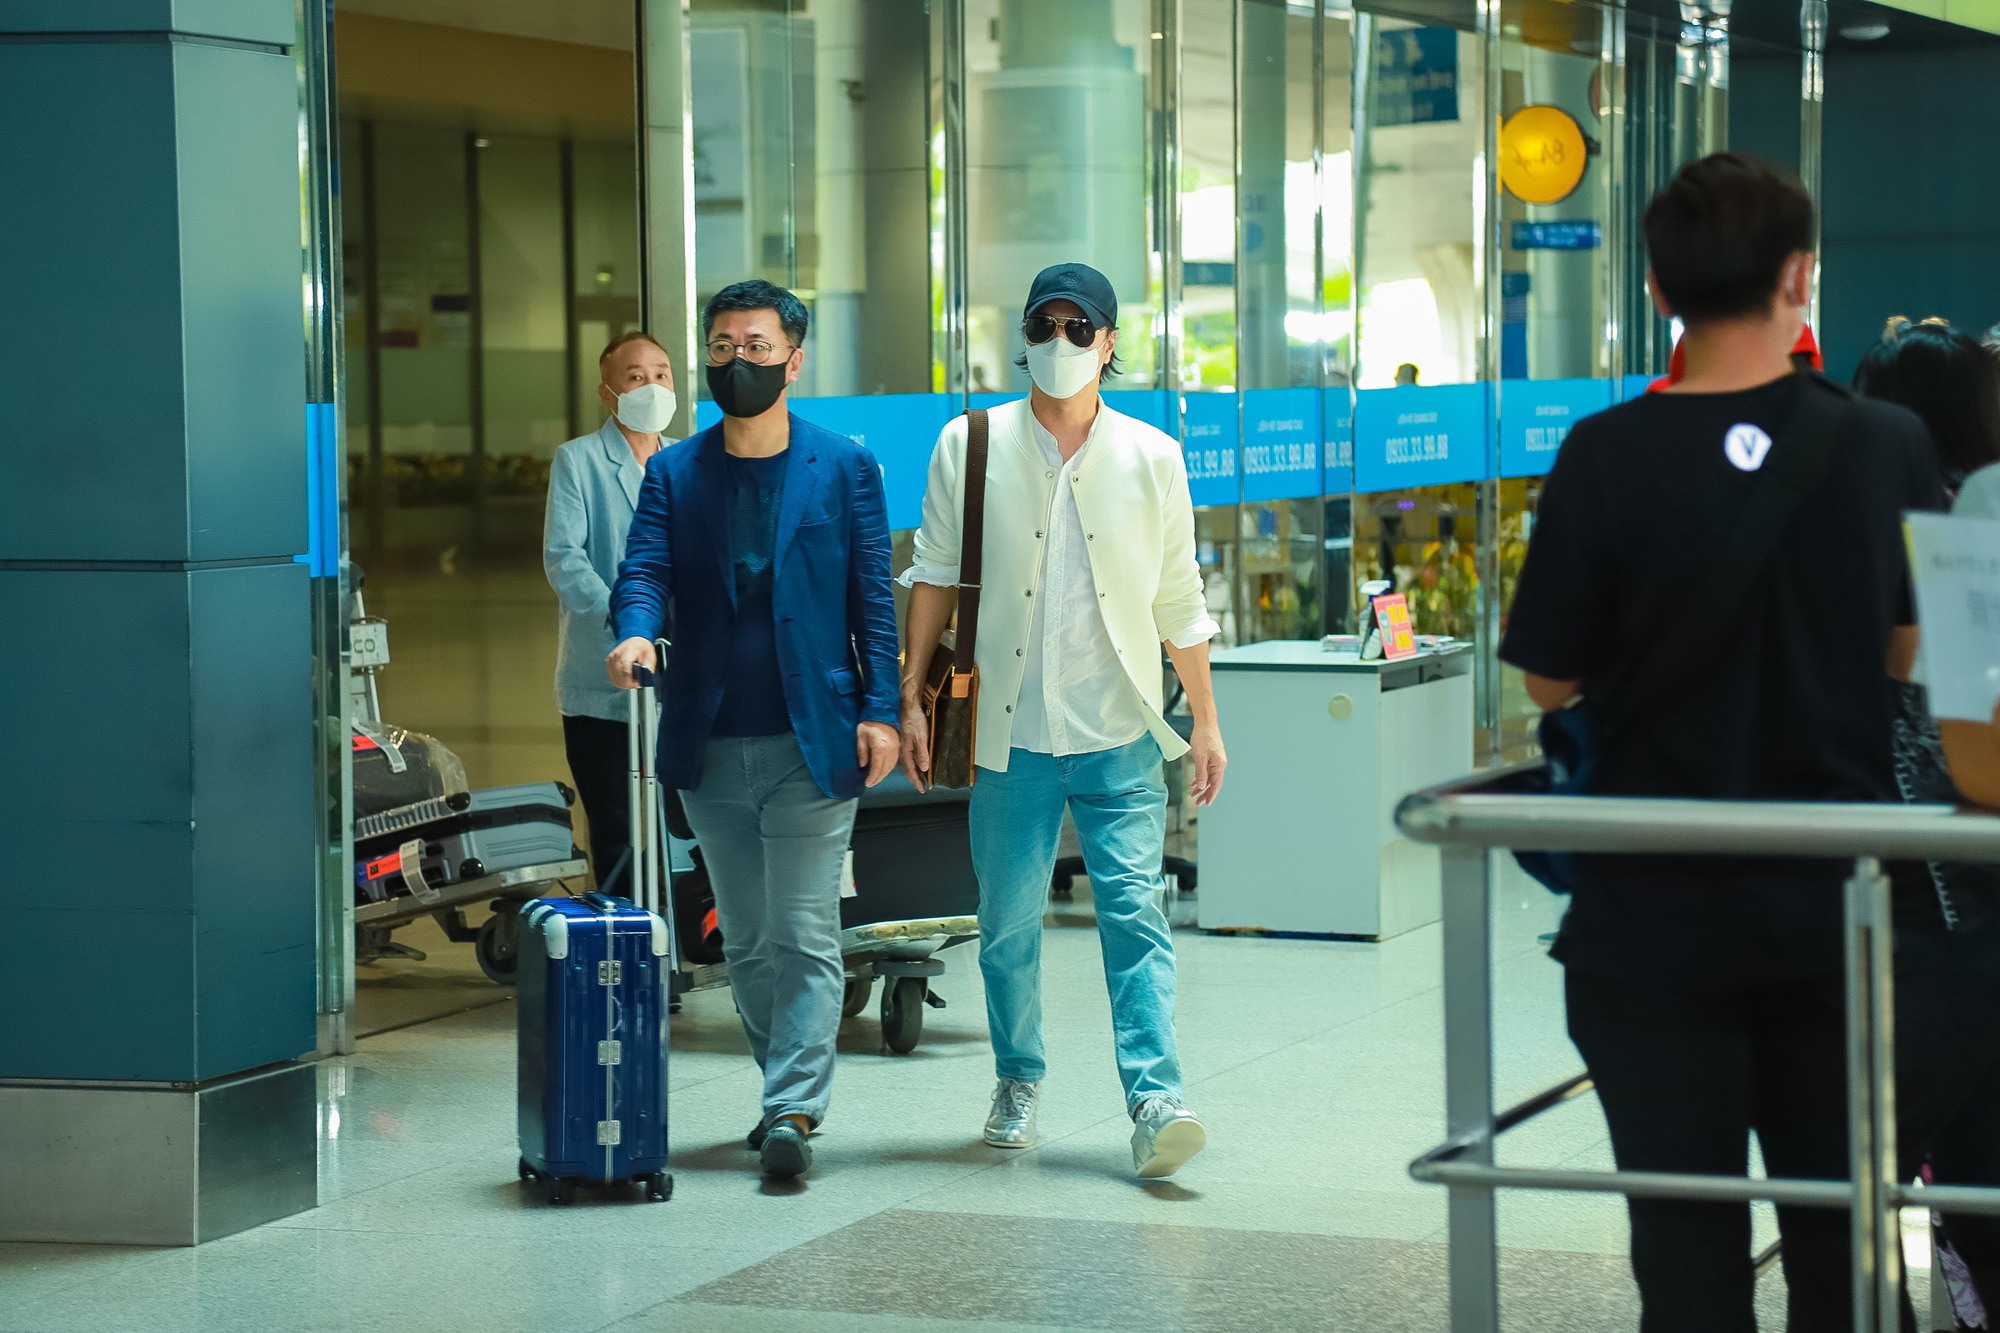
<point x="1691" y="640"/>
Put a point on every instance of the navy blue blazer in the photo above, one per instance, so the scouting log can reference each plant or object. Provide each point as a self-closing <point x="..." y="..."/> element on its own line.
<point x="830" y="592"/>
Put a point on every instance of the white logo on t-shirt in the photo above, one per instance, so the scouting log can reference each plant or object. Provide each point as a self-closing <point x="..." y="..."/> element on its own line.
<point x="1746" y="446"/>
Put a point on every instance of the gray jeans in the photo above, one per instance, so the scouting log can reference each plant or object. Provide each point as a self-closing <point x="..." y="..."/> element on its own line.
<point x="774" y="844"/>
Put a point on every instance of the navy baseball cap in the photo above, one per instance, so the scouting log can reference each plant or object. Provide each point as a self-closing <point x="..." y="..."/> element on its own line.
<point x="1079" y="283"/>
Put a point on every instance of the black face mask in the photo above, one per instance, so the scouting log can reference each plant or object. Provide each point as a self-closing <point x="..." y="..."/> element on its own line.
<point x="741" y="389"/>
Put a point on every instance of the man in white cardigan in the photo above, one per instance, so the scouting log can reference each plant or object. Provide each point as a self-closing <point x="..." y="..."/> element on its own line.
<point x="1089" y="566"/>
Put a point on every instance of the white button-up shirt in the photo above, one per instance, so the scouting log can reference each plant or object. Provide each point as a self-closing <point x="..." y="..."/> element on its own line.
<point x="1075" y="696"/>
<point x="1088" y="566"/>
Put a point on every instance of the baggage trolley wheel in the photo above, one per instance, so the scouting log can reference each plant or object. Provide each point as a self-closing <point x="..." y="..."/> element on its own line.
<point x="858" y="990"/>
<point x="528" y="1172"/>
<point x="498" y="948"/>
<point x="562" y="1192"/>
<point x="903" y="1014"/>
<point x="659" y="1187"/>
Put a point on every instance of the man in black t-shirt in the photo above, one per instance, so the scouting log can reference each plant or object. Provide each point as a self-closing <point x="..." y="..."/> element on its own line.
<point x="1705" y="994"/>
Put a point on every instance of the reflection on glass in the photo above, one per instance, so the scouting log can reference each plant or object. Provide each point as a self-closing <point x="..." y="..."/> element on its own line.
<point x="1558" y="328"/>
<point x="473" y="353"/>
<point x="1701" y="79"/>
<point x="423" y="329"/>
<point x="604" y="276"/>
<point x="1208" y="312"/>
<point x="1554" y="267"/>
<point x="1423" y="161"/>
<point x="1290" y="343"/>
<point x="1057" y="171"/>
<point x="813" y="170"/>
<point x="522" y="334"/>
<point x="1421" y="306"/>
<point x="1423" y="541"/>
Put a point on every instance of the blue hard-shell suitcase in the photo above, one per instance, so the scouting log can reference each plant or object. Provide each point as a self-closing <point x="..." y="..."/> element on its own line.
<point x="592" y="1004"/>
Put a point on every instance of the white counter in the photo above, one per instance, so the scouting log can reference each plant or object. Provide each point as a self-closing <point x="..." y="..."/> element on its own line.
<point x="1322" y="745"/>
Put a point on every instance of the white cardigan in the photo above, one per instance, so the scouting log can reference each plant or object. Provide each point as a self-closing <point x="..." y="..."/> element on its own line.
<point x="1132" y="493"/>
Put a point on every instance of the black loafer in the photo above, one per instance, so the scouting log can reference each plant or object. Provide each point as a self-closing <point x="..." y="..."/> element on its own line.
<point x="785" y="1155"/>
<point x="754" y="1140"/>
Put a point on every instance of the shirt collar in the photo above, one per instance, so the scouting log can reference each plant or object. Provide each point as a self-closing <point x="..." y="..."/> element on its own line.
<point x="1051" y="451"/>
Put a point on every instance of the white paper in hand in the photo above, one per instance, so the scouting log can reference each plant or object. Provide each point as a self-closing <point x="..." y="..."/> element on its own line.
<point x="1956" y="562"/>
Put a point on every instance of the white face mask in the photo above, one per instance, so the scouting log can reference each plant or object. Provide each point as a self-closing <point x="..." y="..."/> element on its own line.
<point x="1060" y="368"/>
<point x="648" y="409"/>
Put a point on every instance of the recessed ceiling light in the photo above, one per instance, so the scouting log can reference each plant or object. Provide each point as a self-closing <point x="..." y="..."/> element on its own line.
<point x="1867" y="30"/>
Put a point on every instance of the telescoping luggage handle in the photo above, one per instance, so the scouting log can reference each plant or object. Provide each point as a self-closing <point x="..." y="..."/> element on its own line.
<point x="648" y="853"/>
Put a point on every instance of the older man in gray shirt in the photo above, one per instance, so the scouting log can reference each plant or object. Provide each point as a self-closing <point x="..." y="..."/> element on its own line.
<point x="593" y="489"/>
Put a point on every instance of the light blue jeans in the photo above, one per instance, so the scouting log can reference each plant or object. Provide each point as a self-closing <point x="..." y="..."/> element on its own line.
<point x="1119" y="801"/>
<point x="774" y="845"/>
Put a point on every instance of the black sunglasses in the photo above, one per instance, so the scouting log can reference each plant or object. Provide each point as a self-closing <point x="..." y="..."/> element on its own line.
<point x="1077" y="328"/>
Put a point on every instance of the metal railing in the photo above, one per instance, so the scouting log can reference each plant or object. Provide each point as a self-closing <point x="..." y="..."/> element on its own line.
<point x="1469" y="820"/>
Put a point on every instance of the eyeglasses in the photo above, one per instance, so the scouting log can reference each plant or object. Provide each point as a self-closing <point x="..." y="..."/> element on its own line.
<point x="1077" y="328"/>
<point x="757" y="352"/>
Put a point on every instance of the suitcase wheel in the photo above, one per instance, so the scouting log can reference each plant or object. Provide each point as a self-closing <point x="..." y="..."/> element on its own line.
<point x="529" y="1172"/>
<point x="659" y="1187"/>
<point x="561" y="1192"/>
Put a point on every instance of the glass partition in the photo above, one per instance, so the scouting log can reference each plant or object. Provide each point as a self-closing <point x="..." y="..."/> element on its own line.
<point x="811" y="171"/>
<point x="1422" y="410"/>
<point x="1207" y="264"/>
<point x="1291" y="269"/>
<point x="1556" y="229"/>
<point x="1371" y="265"/>
<point x="1058" y="169"/>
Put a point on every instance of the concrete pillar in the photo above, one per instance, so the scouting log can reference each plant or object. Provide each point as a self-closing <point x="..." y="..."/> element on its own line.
<point x="158" y="955"/>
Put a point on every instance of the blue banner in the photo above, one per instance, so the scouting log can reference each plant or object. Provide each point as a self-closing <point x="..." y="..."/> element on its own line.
<point x="1281" y="444"/>
<point x="1535" y="417"/>
<point x="1416" y="436"/>
<point x="1152" y="406"/>
<point x="1338" y="478"/>
<point x="1210" y="446"/>
<point x="900" y="429"/>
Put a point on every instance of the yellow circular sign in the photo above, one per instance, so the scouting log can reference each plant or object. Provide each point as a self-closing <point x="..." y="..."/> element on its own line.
<point x="1542" y="154"/>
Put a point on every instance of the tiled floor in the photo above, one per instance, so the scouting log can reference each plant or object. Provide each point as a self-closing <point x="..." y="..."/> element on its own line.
<point x="1317" y="1065"/>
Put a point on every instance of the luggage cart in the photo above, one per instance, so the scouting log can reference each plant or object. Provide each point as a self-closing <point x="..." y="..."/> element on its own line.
<point x="495" y="942"/>
<point x="902" y="952"/>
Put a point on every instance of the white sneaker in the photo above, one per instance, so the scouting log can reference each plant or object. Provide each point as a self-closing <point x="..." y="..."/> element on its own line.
<point x="1012" y="1124"/>
<point x="1164" y="1135"/>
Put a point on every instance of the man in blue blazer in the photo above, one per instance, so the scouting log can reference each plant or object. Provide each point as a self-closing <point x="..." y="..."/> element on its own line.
<point x="760" y="547"/>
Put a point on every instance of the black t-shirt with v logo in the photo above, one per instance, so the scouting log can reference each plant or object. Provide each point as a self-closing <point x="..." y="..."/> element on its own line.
<point x="1796" y="703"/>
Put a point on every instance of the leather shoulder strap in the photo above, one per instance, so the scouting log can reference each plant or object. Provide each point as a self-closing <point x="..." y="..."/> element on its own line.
<point x="972" y="539"/>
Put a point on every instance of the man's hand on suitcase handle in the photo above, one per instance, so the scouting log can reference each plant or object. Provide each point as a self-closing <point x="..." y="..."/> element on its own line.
<point x="633" y="652"/>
